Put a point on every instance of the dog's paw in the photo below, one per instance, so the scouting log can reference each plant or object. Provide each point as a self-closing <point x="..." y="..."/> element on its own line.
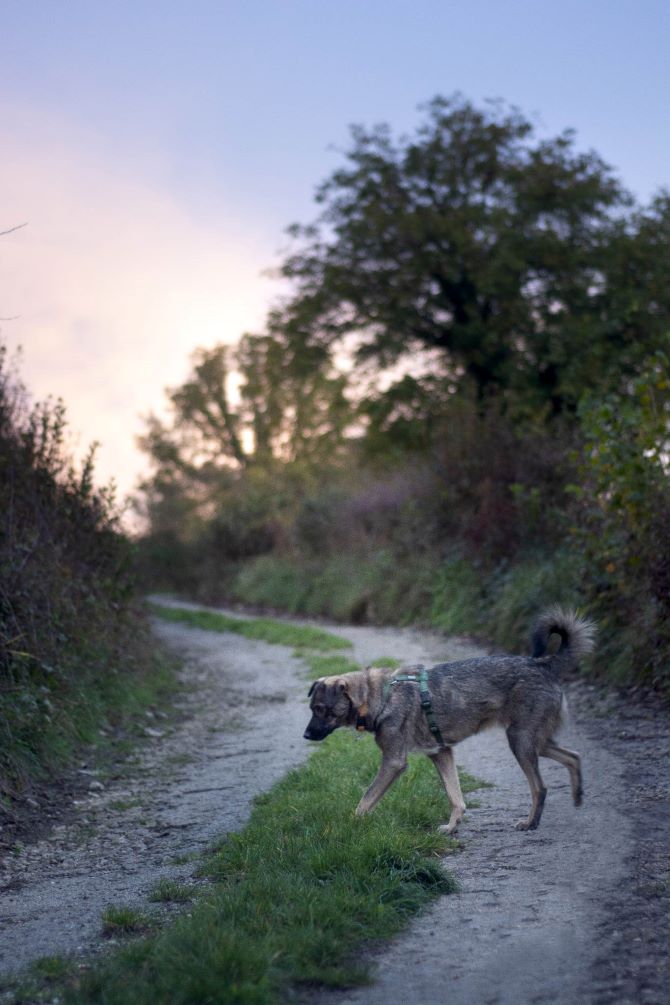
<point x="523" y="825"/>
<point x="578" y="798"/>
<point x="451" y="827"/>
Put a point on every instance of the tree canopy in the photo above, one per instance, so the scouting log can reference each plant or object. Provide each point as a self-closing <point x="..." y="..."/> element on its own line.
<point x="505" y="256"/>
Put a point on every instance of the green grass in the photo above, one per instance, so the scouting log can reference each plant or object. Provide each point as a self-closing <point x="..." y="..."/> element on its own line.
<point x="171" y="891"/>
<point x="87" y="696"/>
<point x="345" y="587"/>
<point x="328" y="666"/>
<point x="263" y="629"/>
<point x="51" y="968"/>
<point x="123" y="920"/>
<point x="453" y="594"/>
<point x="40" y="982"/>
<point x="297" y="892"/>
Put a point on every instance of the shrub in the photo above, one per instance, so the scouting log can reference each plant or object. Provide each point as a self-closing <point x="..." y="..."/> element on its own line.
<point x="622" y="525"/>
<point x="67" y="622"/>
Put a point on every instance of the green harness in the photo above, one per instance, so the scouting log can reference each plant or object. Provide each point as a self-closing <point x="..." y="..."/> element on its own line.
<point x="420" y="678"/>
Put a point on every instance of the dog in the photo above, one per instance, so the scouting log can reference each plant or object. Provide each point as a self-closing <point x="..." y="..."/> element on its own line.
<point x="522" y="694"/>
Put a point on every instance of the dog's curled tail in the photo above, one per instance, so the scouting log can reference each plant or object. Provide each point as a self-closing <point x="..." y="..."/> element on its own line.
<point x="577" y="635"/>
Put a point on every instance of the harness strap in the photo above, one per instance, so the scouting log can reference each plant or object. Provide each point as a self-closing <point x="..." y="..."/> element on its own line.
<point x="420" y="678"/>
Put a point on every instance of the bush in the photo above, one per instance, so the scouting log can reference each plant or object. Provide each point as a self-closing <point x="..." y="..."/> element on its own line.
<point x="67" y="622"/>
<point x="622" y="525"/>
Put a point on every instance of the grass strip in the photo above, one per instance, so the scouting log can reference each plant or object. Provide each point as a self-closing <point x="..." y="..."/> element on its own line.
<point x="328" y="666"/>
<point x="297" y="892"/>
<point x="264" y="629"/>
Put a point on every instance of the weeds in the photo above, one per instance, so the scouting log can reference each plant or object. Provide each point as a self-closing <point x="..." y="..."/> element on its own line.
<point x="51" y="968"/>
<point x="171" y="891"/>
<point x="124" y="920"/>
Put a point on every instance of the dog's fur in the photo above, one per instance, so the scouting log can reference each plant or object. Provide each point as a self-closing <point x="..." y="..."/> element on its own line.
<point x="520" y="693"/>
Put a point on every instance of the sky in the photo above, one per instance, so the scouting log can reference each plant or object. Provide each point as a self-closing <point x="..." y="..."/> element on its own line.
<point x="158" y="150"/>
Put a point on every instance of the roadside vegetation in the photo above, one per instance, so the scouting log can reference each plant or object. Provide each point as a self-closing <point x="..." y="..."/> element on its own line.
<point x="75" y="655"/>
<point x="457" y="415"/>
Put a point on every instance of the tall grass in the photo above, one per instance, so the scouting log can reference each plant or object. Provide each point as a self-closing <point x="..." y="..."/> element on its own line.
<point x="454" y="595"/>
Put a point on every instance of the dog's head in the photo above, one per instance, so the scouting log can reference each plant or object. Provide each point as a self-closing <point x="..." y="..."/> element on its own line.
<point x="331" y="707"/>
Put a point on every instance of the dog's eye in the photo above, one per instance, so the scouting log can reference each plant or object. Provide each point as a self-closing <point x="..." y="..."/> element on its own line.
<point x="319" y="709"/>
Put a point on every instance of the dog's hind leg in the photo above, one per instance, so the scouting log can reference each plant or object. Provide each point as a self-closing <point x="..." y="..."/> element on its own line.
<point x="446" y="769"/>
<point x="389" y="770"/>
<point x="523" y="748"/>
<point x="572" y="761"/>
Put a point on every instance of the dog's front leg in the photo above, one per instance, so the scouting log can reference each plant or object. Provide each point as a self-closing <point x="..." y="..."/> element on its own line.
<point x="390" y="769"/>
<point x="448" y="772"/>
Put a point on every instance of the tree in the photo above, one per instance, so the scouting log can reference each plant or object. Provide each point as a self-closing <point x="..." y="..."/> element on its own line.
<point x="631" y="307"/>
<point x="471" y="239"/>
<point x="288" y="405"/>
<point x="244" y="421"/>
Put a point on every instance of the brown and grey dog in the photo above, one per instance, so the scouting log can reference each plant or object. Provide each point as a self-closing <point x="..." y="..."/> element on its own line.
<point x="520" y="693"/>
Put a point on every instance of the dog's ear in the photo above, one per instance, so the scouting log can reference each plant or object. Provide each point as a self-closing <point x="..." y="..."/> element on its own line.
<point x="354" y="687"/>
<point x="314" y="683"/>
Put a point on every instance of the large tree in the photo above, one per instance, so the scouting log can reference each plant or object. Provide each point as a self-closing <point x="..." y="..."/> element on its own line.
<point x="243" y="415"/>
<point x="473" y="240"/>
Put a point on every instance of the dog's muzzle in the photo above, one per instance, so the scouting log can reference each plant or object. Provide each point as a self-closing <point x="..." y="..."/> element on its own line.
<point x="317" y="732"/>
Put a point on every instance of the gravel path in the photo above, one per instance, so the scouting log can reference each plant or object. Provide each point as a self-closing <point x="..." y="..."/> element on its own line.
<point x="244" y="708"/>
<point x="576" y="912"/>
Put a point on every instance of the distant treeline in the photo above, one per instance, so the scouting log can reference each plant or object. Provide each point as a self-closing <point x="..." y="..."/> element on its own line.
<point x="73" y="656"/>
<point x="459" y="413"/>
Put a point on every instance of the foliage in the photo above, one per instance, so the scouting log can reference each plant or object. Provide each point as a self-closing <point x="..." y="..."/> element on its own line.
<point x="293" y="400"/>
<point x="450" y="593"/>
<point x="227" y="473"/>
<point x="475" y="243"/>
<point x="624" y="518"/>
<point x="71" y="643"/>
<point x="289" y="407"/>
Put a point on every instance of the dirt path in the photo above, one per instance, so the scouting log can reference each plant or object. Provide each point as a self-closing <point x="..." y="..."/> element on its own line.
<point x="577" y="912"/>
<point x="244" y="710"/>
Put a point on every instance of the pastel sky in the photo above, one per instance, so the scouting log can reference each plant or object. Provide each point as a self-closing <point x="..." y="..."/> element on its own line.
<point x="158" y="150"/>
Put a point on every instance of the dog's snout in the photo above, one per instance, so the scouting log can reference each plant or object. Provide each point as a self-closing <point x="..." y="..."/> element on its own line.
<point x="316" y="731"/>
